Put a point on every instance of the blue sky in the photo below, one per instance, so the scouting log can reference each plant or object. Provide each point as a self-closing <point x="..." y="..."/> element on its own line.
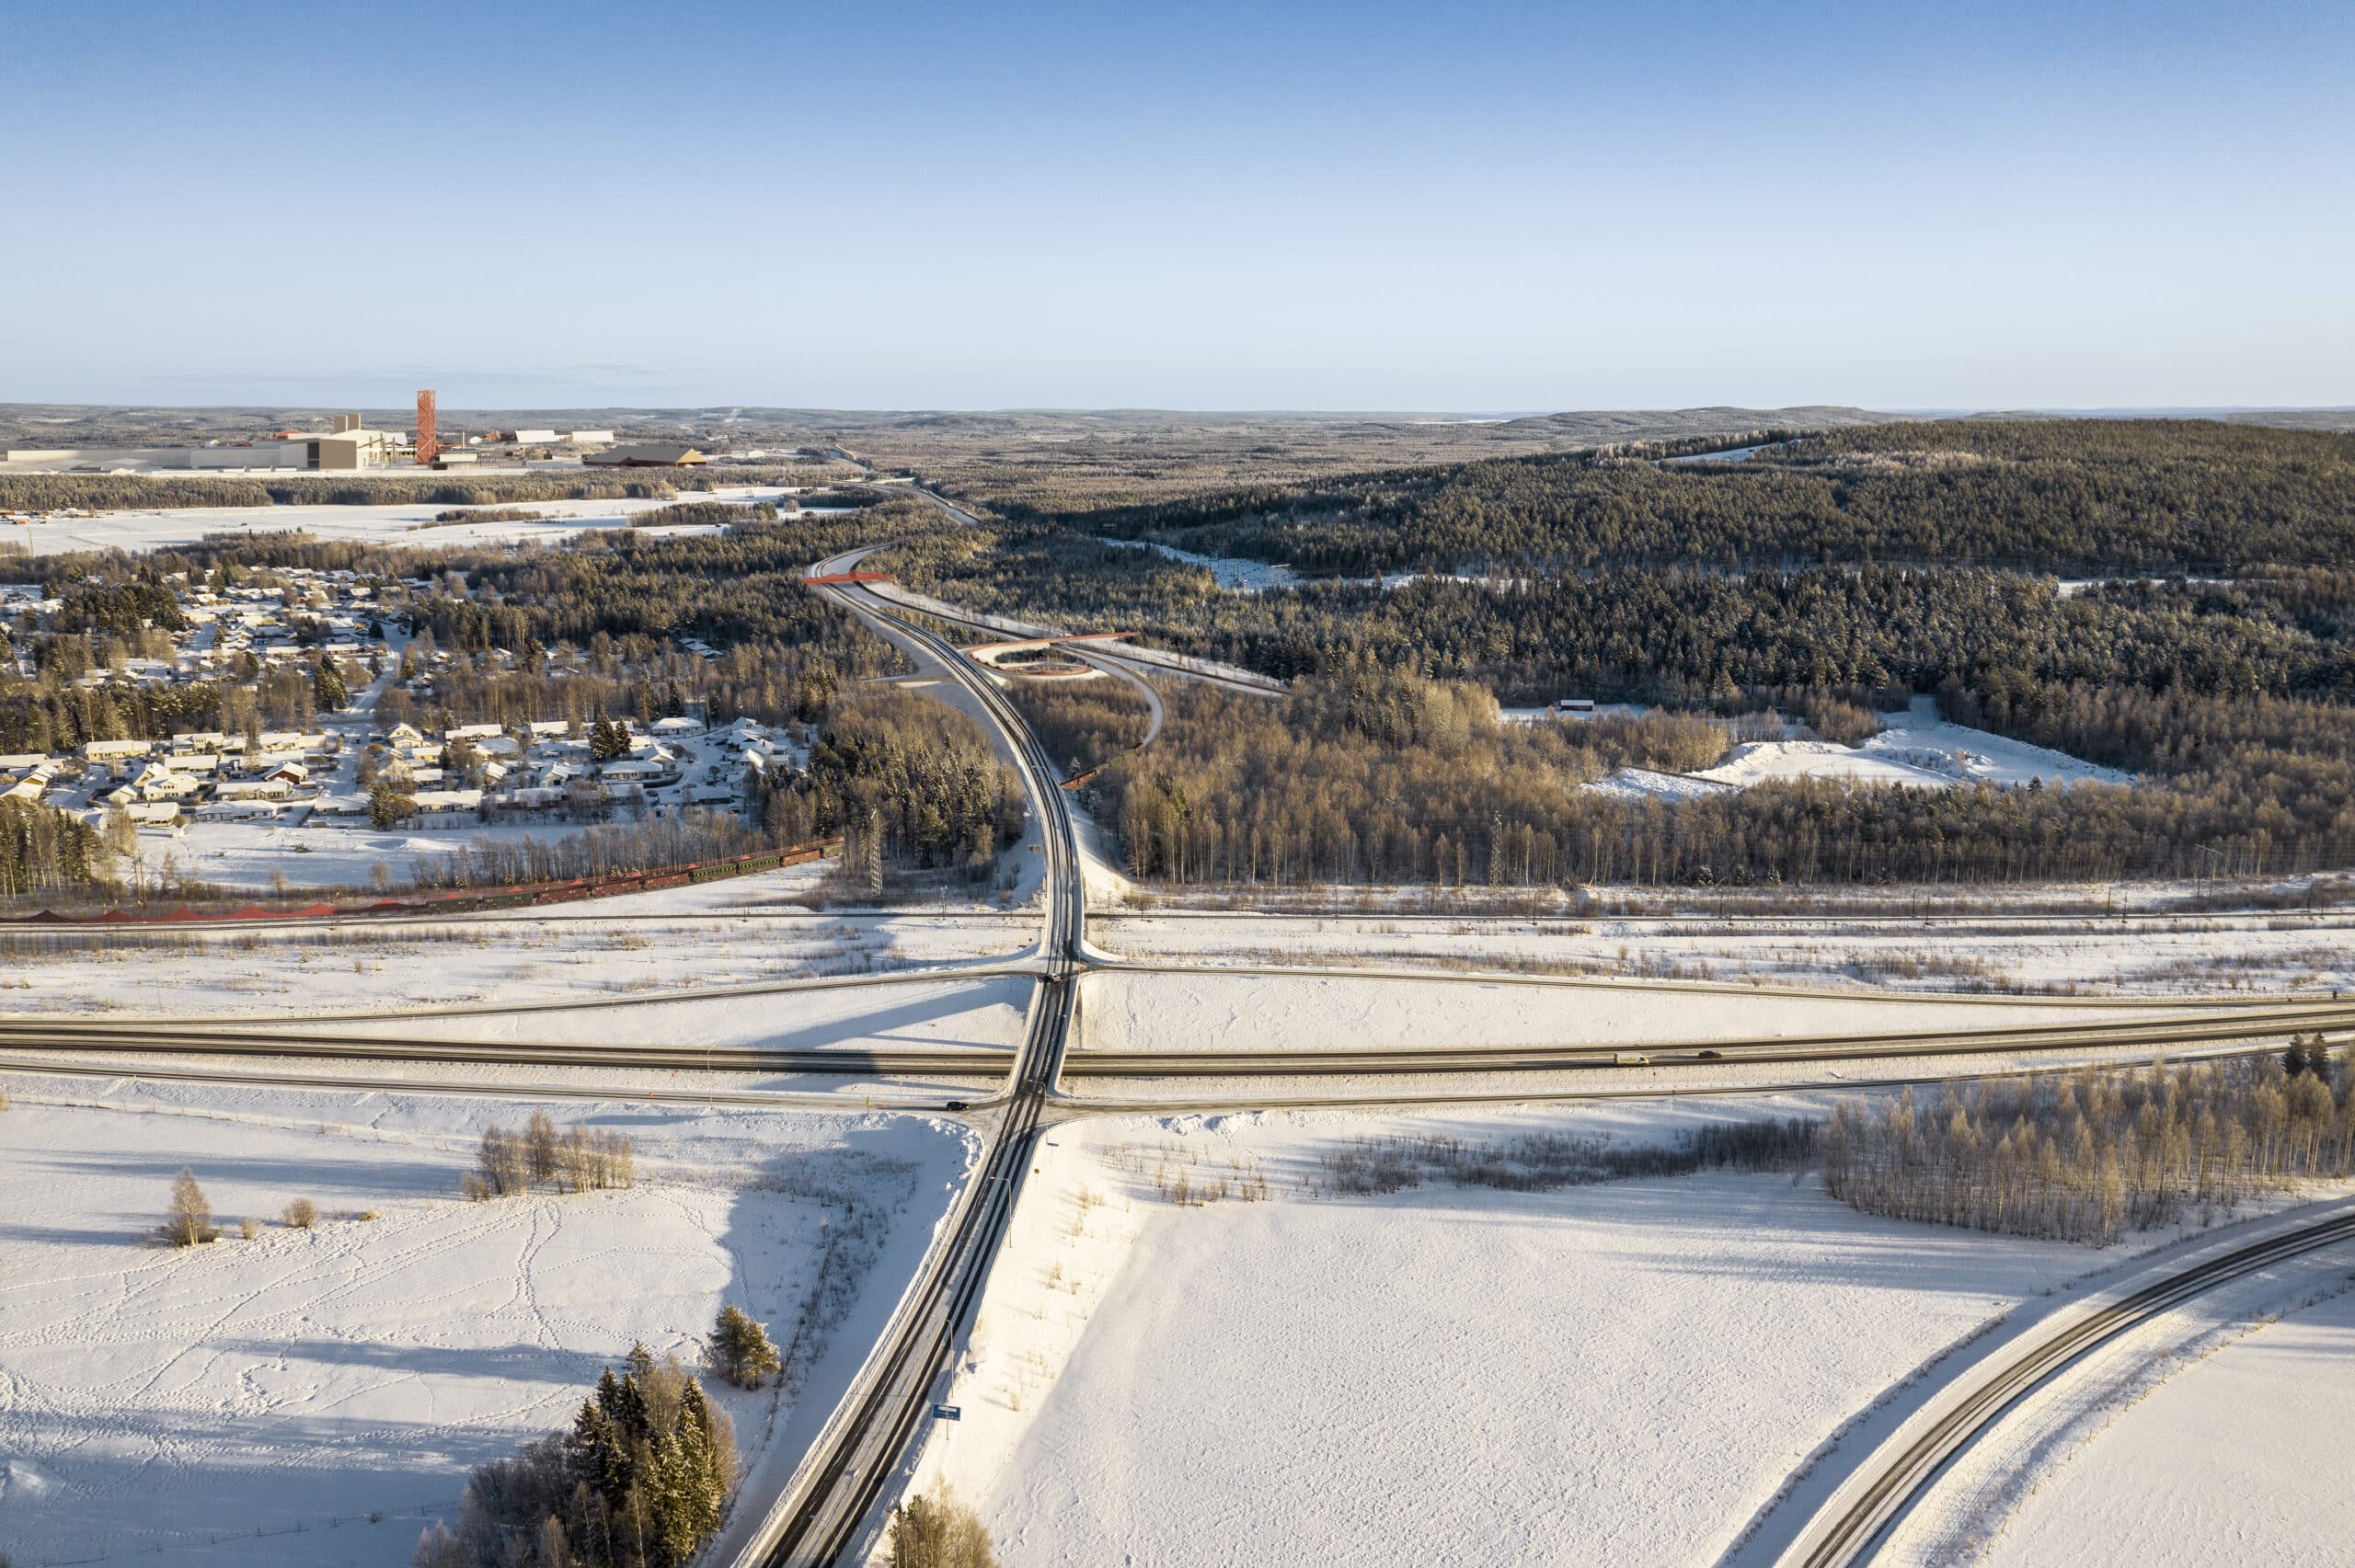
<point x="1471" y="207"/>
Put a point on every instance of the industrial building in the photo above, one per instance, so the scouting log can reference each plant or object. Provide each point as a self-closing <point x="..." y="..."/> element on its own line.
<point x="351" y="445"/>
<point x="348" y="446"/>
<point x="647" y="456"/>
<point x="260" y="455"/>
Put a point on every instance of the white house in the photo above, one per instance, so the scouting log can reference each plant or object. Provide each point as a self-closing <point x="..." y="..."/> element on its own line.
<point x="447" y="807"/>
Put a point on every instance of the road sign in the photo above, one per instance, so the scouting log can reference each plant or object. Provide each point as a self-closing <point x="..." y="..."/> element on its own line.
<point x="947" y="1412"/>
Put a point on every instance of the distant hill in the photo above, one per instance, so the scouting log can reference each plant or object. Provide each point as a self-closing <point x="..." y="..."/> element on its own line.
<point x="1596" y="427"/>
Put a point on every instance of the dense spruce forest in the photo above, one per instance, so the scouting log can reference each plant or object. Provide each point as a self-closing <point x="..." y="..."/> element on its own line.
<point x="2077" y="497"/>
<point x="1854" y="569"/>
<point x="1372" y="776"/>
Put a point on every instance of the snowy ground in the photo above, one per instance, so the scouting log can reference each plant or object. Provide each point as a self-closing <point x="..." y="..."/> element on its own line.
<point x="2085" y="956"/>
<point x="319" y="852"/>
<point x="1917" y="749"/>
<point x="1442" y="1375"/>
<point x="582" y="956"/>
<point x="2240" y="1458"/>
<point x="1637" y="783"/>
<point x="1210" y="1012"/>
<point x="169" y="528"/>
<point x="256" y="1402"/>
<point x="1230" y="571"/>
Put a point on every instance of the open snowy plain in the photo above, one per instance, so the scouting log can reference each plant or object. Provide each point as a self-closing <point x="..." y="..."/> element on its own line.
<point x="413" y="524"/>
<point x="1195" y="1352"/>
<point x="313" y="1397"/>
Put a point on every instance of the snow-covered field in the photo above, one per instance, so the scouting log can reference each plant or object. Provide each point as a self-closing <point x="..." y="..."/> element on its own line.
<point x="582" y="955"/>
<point x="1230" y="571"/>
<point x="167" y="528"/>
<point x="1621" y="1373"/>
<point x="2239" y="1458"/>
<point x="1210" y="1012"/>
<point x="318" y="853"/>
<point x="1919" y="749"/>
<point x="259" y="1401"/>
<point x="2081" y="956"/>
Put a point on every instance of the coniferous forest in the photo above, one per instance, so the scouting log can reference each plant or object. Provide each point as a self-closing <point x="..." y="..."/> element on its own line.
<point x="2173" y="598"/>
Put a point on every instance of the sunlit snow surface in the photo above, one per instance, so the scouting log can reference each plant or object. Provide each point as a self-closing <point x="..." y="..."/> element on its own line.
<point x="1612" y="1374"/>
<point x="170" y="527"/>
<point x="252" y="1401"/>
<point x="1917" y="749"/>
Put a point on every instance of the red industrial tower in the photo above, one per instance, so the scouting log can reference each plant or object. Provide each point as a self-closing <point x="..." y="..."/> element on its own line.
<point x="427" y="448"/>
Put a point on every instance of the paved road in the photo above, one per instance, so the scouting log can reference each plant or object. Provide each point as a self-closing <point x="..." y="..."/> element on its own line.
<point x="1858" y="1520"/>
<point x="831" y="1505"/>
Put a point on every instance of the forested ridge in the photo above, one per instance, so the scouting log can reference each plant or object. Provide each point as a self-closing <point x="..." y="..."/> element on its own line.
<point x="1682" y="635"/>
<point x="2077" y="497"/>
<point x="1698" y="587"/>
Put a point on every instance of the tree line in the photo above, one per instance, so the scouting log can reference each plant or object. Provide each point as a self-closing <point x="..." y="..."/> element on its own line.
<point x="917" y="780"/>
<point x="1350" y="785"/>
<point x="400" y="486"/>
<point x="2080" y="498"/>
<point x="1082" y="724"/>
<point x="2092" y="1156"/>
<point x="1673" y="634"/>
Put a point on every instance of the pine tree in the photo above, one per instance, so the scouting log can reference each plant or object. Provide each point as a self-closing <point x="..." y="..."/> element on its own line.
<point x="937" y="1531"/>
<point x="739" y="1348"/>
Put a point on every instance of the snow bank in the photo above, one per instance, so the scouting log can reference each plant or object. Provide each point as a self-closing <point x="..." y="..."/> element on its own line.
<point x="587" y="960"/>
<point x="1639" y="784"/>
<point x="1210" y="1011"/>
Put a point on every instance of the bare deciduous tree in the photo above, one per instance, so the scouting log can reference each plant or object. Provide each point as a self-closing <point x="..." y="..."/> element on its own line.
<point x="190" y="1220"/>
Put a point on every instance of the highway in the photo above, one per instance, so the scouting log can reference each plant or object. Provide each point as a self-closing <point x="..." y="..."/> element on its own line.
<point x="1858" y="1519"/>
<point x="1693" y="1057"/>
<point x="829" y="1508"/>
